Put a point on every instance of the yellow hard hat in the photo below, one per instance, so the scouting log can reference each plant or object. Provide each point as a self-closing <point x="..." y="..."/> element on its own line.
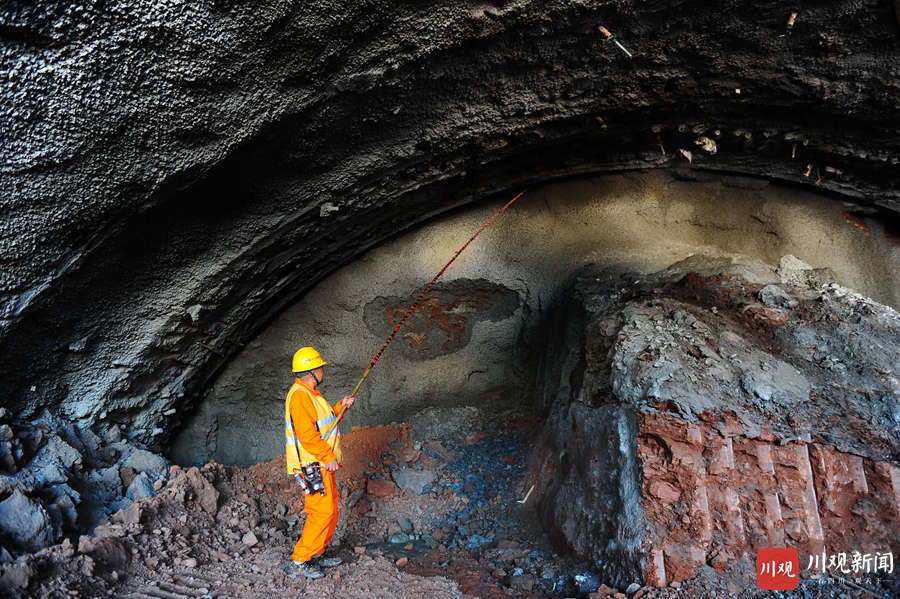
<point x="307" y="358"/>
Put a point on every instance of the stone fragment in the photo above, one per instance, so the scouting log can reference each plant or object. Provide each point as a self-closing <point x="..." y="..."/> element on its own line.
<point x="84" y="543"/>
<point x="409" y="455"/>
<point x="7" y="457"/>
<point x="206" y="494"/>
<point x="127" y="475"/>
<point x="110" y="454"/>
<point x="87" y="565"/>
<point x="132" y="514"/>
<point x="64" y="504"/>
<point x="142" y="460"/>
<point x="793" y="271"/>
<point x="774" y="296"/>
<point x="25" y="522"/>
<point x="249" y="539"/>
<point x="54" y="461"/>
<point x="405" y="525"/>
<point x="522" y="582"/>
<point x="416" y="481"/>
<point x="605" y="591"/>
<point x="110" y="530"/>
<point x="379" y="487"/>
<point x="91" y="441"/>
<point x="140" y="487"/>
<point x="107" y="551"/>
<point x="113" y="434"/>
<point x="666" y="492"/>
<point x="16" y="577"/>
<point x="354" y="497"/>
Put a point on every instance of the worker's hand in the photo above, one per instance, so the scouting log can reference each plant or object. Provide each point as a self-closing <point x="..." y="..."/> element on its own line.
<point x="331" y="466"/>
<point x="348" y="401"/>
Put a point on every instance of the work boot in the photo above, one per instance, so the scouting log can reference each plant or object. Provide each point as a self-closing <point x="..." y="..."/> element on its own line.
<point x="326" y="562"/>
<point x="310" y="569"/>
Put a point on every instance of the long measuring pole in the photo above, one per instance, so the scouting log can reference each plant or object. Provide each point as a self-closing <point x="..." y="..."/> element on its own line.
<point x="427" y="289"/>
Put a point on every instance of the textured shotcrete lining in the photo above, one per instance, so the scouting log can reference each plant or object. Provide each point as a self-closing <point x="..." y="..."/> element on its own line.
<point x="376" y="110"/>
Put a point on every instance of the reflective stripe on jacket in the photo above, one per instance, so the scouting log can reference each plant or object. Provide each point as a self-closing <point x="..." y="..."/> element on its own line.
<point x="326" y="428"/>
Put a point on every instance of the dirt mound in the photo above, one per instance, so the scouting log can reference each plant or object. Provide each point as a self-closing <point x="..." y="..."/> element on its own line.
<point x="430" y="518"/>
<point x="227" y="532"/>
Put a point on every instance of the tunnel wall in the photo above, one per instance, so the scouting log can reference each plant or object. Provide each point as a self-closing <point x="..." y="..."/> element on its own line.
<point x="167" y="166"/>
<point x="640" y="221"/>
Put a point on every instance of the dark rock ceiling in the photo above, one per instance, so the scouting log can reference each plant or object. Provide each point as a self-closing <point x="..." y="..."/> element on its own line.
<point x="169" y="170"/>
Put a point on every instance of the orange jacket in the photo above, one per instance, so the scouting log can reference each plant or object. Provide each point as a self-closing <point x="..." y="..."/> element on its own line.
<point x="314" y="436"/>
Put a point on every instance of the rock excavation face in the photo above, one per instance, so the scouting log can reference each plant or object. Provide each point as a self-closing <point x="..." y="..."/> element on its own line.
<point x="698" y="415"/>
<point x="476" y="339"/>
<point x="191" y="192"/>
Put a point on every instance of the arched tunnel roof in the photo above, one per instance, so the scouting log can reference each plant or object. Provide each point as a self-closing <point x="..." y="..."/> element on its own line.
<point x="174" y="175"/>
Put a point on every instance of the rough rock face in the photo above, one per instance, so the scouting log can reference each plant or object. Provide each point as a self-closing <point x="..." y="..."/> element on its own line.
<point x="443" y="319"/>
<point x="697" y="418"/>
<point x="731" y="494"/>
<point x="176" y="174"/>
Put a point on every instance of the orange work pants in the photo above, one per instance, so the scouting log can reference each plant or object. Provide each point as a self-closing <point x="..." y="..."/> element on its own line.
<point x="321" y="521"/>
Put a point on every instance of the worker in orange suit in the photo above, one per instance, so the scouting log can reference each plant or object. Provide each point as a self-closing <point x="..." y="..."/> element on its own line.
<point x="313" y="453"/>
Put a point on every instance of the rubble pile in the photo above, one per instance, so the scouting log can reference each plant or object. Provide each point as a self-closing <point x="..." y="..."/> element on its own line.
<point x="58" y="479"/>
<point x="435" y="516"/>
<point x="213" y="530"/>
<point x="471" y="531"/>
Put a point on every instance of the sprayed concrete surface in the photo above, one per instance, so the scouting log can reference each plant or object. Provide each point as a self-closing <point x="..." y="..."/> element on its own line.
<point x="176" y="175"/>
<point x="642" y="222"/>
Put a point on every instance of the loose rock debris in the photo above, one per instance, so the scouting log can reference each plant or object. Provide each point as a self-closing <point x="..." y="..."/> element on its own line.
<point x="415" y="514"/>
<point x="226" y="532"/>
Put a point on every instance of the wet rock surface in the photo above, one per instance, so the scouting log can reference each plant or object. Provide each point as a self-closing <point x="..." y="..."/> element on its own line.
<point x="701" y="417"/>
